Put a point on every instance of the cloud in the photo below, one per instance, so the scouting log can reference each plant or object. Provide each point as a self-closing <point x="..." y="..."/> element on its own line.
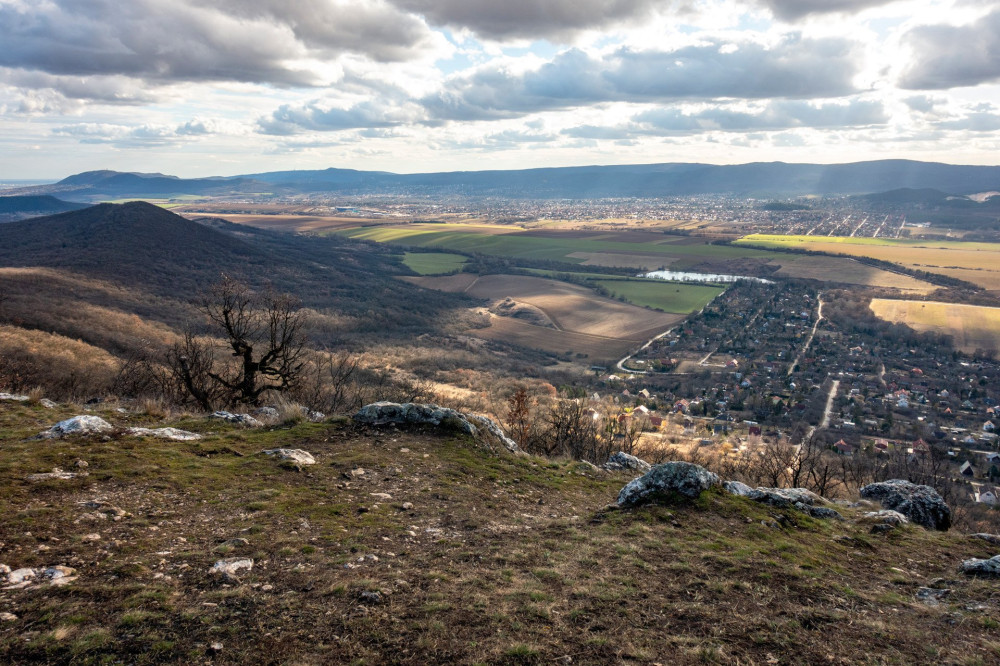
<point x="777" y="115"/>
<point x="772" y="116"/>
<point x="317" y="116"/>
<point x="162" y="41"/>
<point x="793" y="10"/>
<point x="794" y="68"/>
<point x="507" y="19"/>
<point x="947" y="56"/>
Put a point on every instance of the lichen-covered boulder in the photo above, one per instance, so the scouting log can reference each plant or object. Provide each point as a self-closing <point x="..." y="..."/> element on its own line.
<point x="920" y="504"/>
<point x="85" y="424"/>
<point x="382" y="413"/>
<point x="977" y="567"/>
<point x="776" y="497"/>
<point x="673" y="477"/>
<point x="622" y="460"/>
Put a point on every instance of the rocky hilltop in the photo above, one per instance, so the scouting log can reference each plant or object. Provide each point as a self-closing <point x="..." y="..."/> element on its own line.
<point x="408" y="535"/>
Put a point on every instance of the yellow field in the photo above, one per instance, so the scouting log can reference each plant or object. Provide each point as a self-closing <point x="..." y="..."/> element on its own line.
<point x="978" y="263"/>
<point x="593" y="348"/>
<point x="972" y="327"/>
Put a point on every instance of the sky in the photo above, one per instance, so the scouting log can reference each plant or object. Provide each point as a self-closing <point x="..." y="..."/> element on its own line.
<point x="223" y="87"/>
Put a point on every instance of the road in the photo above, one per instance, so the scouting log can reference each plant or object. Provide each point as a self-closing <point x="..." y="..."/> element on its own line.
<point x="828" y="411"/>
<point x="805" y="348"/>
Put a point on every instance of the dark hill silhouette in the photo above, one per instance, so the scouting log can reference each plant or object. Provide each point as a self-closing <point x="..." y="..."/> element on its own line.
<point x="37" y="205"/>
<point x="143" y="246"/>
<point x="762" y="179"/>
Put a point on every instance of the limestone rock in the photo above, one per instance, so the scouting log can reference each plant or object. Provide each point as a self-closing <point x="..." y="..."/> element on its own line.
<point x="231" y="566"/>
<point x="294" y="456"/>
<point x="78" y="425"/>
<point x="47" y="404"/>
<point x="490" y="426"/>
<point x="241" y="419"/>
<point x="13" y="397"/>
<point x="885" y="517"/>
<point x="165" y="433"/>
<point x="56" y="473"/>
<point x="680" y="477"/>
<point x="977" y="567"/>
<point x="988" y="538"/>
<point x="782" y="498"/>
<point x="266" y="413"/>
<point x="382" y="413"/>
<point x="622" y="460"/>
<point x="921" y="504"/>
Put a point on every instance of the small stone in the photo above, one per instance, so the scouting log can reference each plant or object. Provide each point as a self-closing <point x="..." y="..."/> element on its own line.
<point x="267" y="587"/>
<point x="372" y="598"/>
<point x="381" y="496"/>
<point x="407" y="506"/>
<point x="82" y="464"/>
<point x="215" y="647"/>
<point x="932" y="596"/>
<point x="7" y="617"/>
<point x="94" y="536"/>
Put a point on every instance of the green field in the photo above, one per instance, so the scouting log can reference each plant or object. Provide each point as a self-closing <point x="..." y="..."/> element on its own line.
<point x="673" y="297"/>
<point x="433" y="263"/>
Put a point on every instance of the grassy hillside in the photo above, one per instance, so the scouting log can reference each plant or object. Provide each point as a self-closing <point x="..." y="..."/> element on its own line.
<point x="416" y="547"/>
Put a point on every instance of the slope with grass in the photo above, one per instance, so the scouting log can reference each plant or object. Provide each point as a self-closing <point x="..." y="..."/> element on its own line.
<point x="443" y="552"/>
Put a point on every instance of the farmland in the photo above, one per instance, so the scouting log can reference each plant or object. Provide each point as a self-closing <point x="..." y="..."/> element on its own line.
<point x="433" y="263"/>
<point x="667" y="296"/>
<point x="978" y="263"/>
<point x="631" y="249"/>
<point x="971" y="327"/>
<point x="583" y="321"/>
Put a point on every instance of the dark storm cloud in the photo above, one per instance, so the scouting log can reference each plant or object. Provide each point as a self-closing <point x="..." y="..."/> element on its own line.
<point x="794" y="68"/>
<point x="505" y="19"/>
<point x="792" y="10"/>
<point x="196" y="40"/>
<point x="953" y="56"/>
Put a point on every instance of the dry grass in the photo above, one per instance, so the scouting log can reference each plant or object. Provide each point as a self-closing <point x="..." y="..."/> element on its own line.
<point x="971" y="327"/>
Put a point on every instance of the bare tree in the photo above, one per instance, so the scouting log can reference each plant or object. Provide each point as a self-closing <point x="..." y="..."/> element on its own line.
<point x="263" y="332"/>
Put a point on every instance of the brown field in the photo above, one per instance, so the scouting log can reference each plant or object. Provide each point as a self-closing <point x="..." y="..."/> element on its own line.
<point x="585" y="324"/>
<point x="835" y="269"/>
<point x="971" y="327"/>
<point x="594" y="348"/>
<point x="573" y="308"/>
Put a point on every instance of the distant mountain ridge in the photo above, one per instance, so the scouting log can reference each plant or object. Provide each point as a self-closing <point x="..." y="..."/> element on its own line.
<point x="760" y="179"/>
